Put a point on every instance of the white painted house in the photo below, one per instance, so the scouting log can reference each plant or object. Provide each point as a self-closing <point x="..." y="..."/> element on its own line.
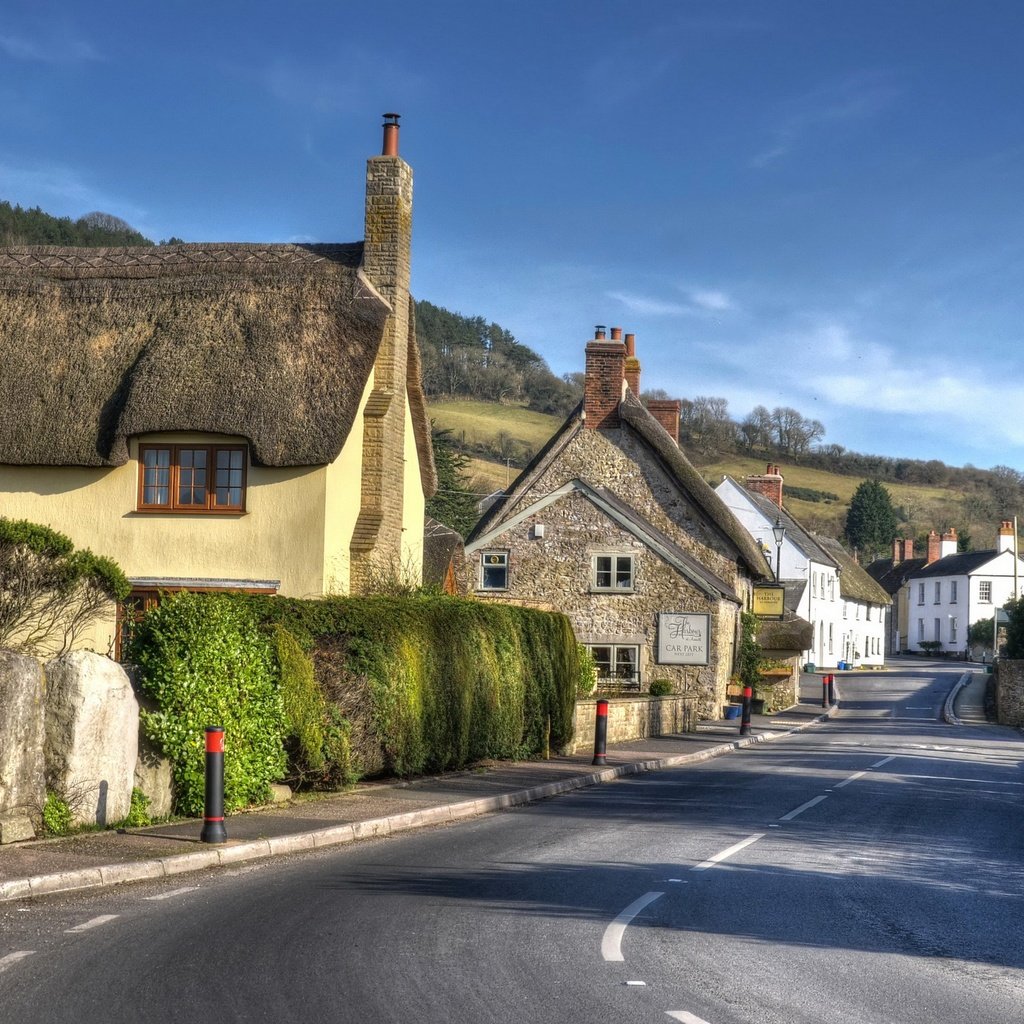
<point x="809" y="573"/>
<point x="953" y="590"/>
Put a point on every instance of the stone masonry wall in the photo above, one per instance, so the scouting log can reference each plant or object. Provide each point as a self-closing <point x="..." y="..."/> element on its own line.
<point x="377" y="539"/>
<point x="1010" y="693"/>
<point x="554" y="571"/>
<point x="633" y="719"/>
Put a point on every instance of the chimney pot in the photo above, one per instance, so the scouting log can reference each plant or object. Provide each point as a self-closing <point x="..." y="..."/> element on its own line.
<point x="630" y="344"/>
<point x="390" y="135"/>
<point x="599" y="332"/>
<point x="616" y="334"/>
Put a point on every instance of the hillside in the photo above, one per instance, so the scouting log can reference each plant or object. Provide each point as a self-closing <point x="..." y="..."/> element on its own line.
<point x="817" y="497"/>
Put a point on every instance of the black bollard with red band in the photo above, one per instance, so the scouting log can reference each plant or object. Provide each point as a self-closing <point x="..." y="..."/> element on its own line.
<point x="748" y="696"/>
<point x="213" y="816"/>
<point x="824" y="691"/>
<point x="831" y="689"/>
<point x="601" y="733"/>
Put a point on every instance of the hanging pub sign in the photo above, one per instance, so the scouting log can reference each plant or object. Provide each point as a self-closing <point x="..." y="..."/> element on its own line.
<point x="683" y="639"/>
<point x="769" y="601"/>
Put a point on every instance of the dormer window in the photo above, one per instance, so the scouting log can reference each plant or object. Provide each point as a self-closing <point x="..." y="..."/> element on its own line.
<point x="192" y="478"/>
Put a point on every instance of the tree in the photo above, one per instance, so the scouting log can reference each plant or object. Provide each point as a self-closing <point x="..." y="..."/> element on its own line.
<point x="871" y="521"/>
<point x="454" y="504"/>
<point x="49" y="591"/>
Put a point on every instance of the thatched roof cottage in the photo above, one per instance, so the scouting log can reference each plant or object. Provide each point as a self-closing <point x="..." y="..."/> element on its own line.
<point x="229" y="416"/>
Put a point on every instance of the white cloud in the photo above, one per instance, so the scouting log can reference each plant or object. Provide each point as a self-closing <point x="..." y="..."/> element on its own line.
<point x="856" y="98"/>
<point x="712" y="301"/>
<point x="56" y="50"/>
<point x="649" y="307"/>
<point x="61" y="191"/>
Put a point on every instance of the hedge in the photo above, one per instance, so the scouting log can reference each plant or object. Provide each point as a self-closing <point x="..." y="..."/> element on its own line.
<point x="403" y="686"/>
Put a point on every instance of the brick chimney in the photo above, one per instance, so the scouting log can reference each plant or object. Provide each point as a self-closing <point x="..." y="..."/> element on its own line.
<point x="1005" y="538"/>
<point x="897" y="550"/>
<point x="948" y="545"/>
<point x="934" y="548"/>
<point x="632" y="368"/>
<point x="908" y="548"/>
<point x="386" y="264"/>
<point x="604" y="383"/>
<point x="769" y="484"/>
<point x="666" y="412"/>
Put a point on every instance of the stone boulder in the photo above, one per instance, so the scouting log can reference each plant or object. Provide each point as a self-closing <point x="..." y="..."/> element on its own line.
<point x="92" y="736"/>
<point x="22" y="731"/>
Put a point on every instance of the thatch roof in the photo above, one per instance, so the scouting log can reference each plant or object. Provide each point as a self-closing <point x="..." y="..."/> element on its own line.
<point x="783" y="637"/>
<point x="270" y="342"/>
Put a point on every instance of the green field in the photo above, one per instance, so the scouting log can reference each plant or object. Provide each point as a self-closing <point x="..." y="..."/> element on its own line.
<point x="480" y="424"/>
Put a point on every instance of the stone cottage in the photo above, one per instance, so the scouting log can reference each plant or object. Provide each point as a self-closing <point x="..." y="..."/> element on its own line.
<point x="612" y="525"/>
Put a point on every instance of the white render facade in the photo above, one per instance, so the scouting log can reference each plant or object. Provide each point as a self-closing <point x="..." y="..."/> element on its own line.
<point x="954" y="592"/>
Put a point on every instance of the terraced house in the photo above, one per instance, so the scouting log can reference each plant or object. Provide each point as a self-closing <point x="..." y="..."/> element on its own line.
<point x="223" y="416"/>
<point x="612" y="525"/>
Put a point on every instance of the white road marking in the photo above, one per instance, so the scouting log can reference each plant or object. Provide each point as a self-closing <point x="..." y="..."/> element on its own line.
<point x="638" y="984"/>
<point x="885" y="760"/>
<point x="674" y="880"/>
<point x="852" y="778"/>
<point x="93" y="923"/>
<point x="684" y="1017"/>
<point x="803" y="807"/>
<point x="13" y="958"/>
<point x="611" y="944"/>
<point x="718" y="857"/>
<point x="953" y="778"/>
<point x="173" y="892"/>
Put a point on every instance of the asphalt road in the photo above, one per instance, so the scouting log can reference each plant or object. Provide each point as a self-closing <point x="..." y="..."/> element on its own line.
<point x="867" y="870"/>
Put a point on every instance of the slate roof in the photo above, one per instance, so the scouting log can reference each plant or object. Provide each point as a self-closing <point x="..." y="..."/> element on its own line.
<point x="961" y="564"/>
<point x="854" y="583"/>
<point x="890" y="577"/>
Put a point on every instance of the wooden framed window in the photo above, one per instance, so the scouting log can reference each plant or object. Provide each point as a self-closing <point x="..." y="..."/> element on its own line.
<point x="617" y="665"/>
<point x="192" y="478"/>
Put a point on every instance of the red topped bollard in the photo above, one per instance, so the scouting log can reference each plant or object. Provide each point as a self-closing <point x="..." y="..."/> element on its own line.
<point x="213" y="814"/>
<point x="601" y="733"/>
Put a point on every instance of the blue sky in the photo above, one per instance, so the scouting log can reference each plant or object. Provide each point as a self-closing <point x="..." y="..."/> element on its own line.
<point x="815" y="204"/>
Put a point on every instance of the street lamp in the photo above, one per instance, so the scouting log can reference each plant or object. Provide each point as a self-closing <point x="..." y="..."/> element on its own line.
<point x="780" y="535"/>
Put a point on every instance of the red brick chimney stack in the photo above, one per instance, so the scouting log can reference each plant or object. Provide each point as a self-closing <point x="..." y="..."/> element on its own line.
<point x="603" y="382"/>
<point x="908" y="548"/>
<point x="770" y="484"/>
<point x="897" y="550"/>
<point x="934" y="547"/>
<point x="632" y="367"/>
<point x="666" y="412"/>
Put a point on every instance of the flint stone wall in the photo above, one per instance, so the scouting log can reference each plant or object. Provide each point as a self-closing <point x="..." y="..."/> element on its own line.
<point x="633" y="718"/>
<point x="92" y="733"/>
<point x="1010" y="693"/>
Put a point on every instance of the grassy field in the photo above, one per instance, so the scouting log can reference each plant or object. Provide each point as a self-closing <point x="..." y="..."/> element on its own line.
<point x="480" y="423"/>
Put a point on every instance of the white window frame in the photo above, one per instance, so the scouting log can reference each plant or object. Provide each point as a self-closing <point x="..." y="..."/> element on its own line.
<point x="613" y="571"/>
<point x="920" y="593"/>
<point x="615" y="652"/>
<point x="501" y="560"/>
<point x="984" y="591"/>
<point x="952" y="592"/>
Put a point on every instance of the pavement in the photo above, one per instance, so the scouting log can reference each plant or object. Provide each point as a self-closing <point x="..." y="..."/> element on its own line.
<point x="382" y="808"/>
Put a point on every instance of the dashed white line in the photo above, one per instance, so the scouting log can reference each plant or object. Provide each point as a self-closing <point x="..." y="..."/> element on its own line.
<point x="173" y="892"/>
<point x="803" y="807"/>
<point x="852" y="778"/>
<point x="611" y="944"/>
<point x="684" y="1017"/>
<point x="719" y="857"/>
<point x="92" y="923"/>
<point x="885" y="760"/>
<point x="13" y="958"/>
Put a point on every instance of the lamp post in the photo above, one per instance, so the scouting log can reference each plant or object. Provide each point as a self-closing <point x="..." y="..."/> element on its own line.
<point x="780" y="535"/>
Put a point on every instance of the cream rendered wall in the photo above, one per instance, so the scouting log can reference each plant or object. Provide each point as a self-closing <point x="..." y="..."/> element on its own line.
<point x="413" y="506"/>
<point x="342" y="502"/>
<point x="280" y="536"/>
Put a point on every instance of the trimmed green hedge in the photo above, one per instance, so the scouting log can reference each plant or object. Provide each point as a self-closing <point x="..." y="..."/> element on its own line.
<point x="403" y="686"/>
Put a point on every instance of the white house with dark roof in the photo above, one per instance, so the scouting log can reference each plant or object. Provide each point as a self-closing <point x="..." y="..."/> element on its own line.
<point x="953" y="590"/>
<point x="613" y="526"/>
<point x="808" y="571"/>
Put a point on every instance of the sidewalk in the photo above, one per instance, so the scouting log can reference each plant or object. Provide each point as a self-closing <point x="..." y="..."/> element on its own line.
<point x="371" y="809"/>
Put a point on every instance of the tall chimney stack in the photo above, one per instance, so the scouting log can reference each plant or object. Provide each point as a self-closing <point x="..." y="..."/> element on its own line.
<point x="603" y="383"/>
<point x="1005" y="538"/>
<point x="934" y="547"/>
<point x="631" y="370"/>
<point x="387" y="245"/>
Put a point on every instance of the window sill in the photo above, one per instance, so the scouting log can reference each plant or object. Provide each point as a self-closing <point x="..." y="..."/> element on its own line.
<point x="612" y="590"/>
<point x="216" y="512"/>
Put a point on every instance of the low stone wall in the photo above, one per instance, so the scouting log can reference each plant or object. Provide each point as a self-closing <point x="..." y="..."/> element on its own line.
<point x="1010" y="692"/>
<point x="633" y="718"/>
